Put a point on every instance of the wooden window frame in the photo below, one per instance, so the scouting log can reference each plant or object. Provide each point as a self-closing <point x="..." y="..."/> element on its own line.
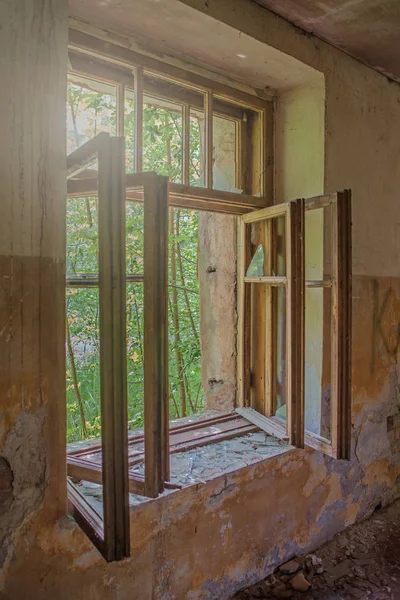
<point x="293" y="430"/>
<point x="339" y="445"/>
<point x="340" y="282"/>
<point x="113" y="537"/>
<point x="113" y="541"/>
<point x="125" y="68"/>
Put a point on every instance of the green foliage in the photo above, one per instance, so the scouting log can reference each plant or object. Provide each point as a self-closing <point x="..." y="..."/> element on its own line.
<point x="89" y="113"/>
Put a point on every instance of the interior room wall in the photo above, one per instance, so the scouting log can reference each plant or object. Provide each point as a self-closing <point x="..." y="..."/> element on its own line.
<point x="211" y="539"/>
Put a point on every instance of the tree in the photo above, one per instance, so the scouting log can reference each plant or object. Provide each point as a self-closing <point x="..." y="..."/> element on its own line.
<point x="88" y="113"/>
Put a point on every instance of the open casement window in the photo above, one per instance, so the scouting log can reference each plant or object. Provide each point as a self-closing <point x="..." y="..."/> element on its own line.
<point x="294" y="305"/>
<point x="108" y="462"/>
<point x="271" y="319"/>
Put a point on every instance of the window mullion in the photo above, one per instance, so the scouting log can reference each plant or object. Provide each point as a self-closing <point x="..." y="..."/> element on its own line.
<point x="295" y="326"/>
<point x="138" y="119"/>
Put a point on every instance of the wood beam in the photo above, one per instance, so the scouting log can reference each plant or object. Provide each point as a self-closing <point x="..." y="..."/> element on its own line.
<point x="95" y="47"/>
<point x="113" y="376"/>
<point x="84" y="156"/>
<point x="156" y="397"/>
<point x="180" y="195"/>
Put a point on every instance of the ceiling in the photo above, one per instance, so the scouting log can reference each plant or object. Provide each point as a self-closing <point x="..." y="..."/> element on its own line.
<point x="180" y="32"/>
<point x="367" y="29"/>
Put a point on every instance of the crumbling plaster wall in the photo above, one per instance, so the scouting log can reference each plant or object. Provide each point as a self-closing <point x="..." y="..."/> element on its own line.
<point x="217" y="280"/>
<point x="209" y="540"/>
<point x="33" y="61"/>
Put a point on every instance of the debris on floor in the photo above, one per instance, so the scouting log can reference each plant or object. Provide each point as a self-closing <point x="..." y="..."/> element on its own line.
<point x="363" y="562"/>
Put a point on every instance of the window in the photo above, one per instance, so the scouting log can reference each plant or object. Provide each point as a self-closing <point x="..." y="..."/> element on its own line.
<point x="216" y="158"/>
<point x="110" y="531"/>
<point x="277" y="303"/>
<point x="212" y="159"/>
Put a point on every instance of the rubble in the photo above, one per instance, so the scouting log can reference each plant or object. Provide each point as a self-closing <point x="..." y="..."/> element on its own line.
<point x="361" y="563"/>
<point x="300" y="583"/>
<point x="290" y="567"/>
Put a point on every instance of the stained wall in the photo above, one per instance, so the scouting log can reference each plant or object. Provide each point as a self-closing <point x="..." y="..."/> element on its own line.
<point x="208" y="540"/>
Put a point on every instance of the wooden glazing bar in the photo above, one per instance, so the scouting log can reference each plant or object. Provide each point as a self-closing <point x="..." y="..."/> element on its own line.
<point x="174" y="428"/>
<point x="189" y="444"/>
<point x="186" y="145"/>
<point x="247" y="333"/>
<point x="240" y="355"/>
<point x="113" y="377"/>
<point x="270" y="212"/>
<point x="180" y="195"/>
<point x="93" y="46"/>
<point x="156" y="422"/>
<point x="269" y="280"/>
<point x="84" y="156"/>
<point x="120" y="390"/>
<point x="209" y="140"/>
<point x="90" y="521"/>
<point x="104" y="71"/>
<point x="267" y="152"/>
<point x="270" y="322"/>
<point x="318" y="443"/>
<point x="322" y="283"/>
<point x="121" y="110"/>
<point x="212" y="432"/>
<point x="317" y="202"/>
<point x="84" y="470"/>
<point x="259" y="333"/>
<point x="228" y="435"/>
<point x="341" y="324"/>
<point x="91" y="280"/>
<point x="138" y="119"/>
<point x="85" y="66"/>
<point x="295" y="322"/>
<point x="264" y="423"/>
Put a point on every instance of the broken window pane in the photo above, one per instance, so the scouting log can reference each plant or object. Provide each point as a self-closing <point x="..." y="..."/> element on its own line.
<point x="256" y="267"/>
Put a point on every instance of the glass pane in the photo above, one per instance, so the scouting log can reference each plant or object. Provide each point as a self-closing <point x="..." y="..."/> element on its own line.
<point x="253" y="173"/>
<point x="134" y="237"/>
<point x="196" y="148"/>
<point x="135" y="338"/>
<point x="224" y="154"/>
<point x="162" y="137"/>
<point x="82" y="236"/>
<point x="256" y="267"/>
<point x="268" y="248"/>
<point x="91" y="109"/>
<point x="129" y="130"/>
<point x="314" y="243"/>
<point x="279" y="240"/>
<point x="317" y="361"/>
<point x="83" y="364"/>
<point x="280" y="352"/>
